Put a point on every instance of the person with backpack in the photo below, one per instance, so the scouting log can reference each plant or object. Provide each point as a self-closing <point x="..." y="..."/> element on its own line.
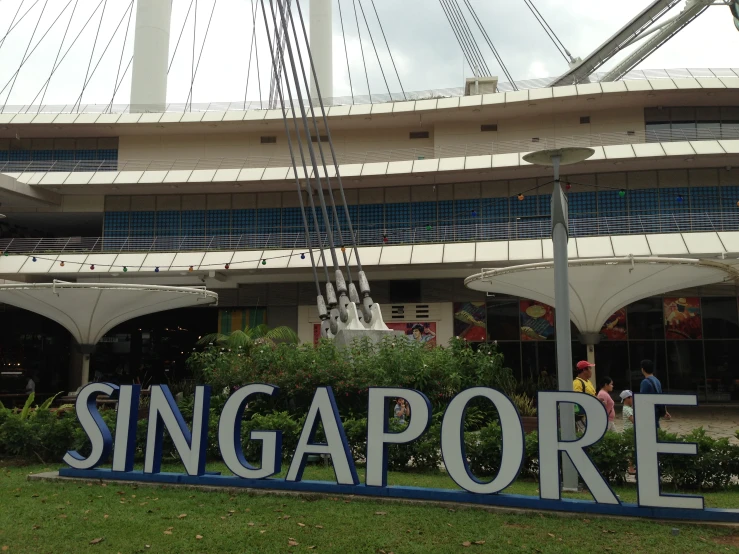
<point x="652" y="385"/>
<point x="584" y="371"/>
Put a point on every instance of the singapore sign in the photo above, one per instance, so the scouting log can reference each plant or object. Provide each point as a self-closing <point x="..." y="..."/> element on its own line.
<point x="190" y="441"/>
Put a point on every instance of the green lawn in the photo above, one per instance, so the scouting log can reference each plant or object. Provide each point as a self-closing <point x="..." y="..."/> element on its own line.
<point x="41" y="517"/>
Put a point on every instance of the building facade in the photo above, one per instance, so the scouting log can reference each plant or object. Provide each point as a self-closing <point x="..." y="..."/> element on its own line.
<point x="437" y="189"/>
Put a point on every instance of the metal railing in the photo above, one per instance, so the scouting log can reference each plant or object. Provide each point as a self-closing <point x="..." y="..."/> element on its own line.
<point x="386" y="155"/>
<point x="520" y="229"/>
<point x="359" y="99"/>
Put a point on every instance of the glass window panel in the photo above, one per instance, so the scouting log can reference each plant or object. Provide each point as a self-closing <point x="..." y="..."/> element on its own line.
<point x="645" y="319"/>
<point x="537" y="358"/>
<point x="646" y="350"/>
<point x="503" y="321"/>
<point x="685" y="372"/>
<point x="722" y="375"/>
<point x="657" y="115"/>
<point x="612" y="360"/>
<point x="511" y="356"/>
<point x="658" y="132"/>
<point x="720" y="318"/>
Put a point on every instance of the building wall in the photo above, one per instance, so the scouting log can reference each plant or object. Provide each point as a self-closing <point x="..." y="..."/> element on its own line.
<point x="368" y="137"/>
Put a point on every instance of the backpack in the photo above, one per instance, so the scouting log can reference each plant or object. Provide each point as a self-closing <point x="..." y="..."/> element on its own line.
<point x="578" y="410"/>
<point x="657" y="389"/>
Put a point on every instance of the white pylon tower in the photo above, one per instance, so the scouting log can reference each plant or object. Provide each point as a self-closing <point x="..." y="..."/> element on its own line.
<point x="321" y="44"/>
<point x="151" y="56"/>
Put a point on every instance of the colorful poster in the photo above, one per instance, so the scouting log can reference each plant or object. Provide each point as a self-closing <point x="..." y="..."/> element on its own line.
<point x="615" y="327"/>
<point x="419" y="332"/>
<point x="683" y="318"/>
<point x="537" y="321"/>
<point x="239" y="318"/>
<point x="470" y="321"/>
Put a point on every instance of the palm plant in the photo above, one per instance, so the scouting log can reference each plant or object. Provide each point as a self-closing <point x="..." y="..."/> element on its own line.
<point x="250" y="337"/>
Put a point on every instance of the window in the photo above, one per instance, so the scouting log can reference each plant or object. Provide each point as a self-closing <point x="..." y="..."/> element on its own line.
<point x="535" y="139"/>
<point x="585" y="120"/>
<point x="489" y="128"/>
<point x="268" y="140"/>
<point x="405" y="292"/>
<point x="418" y="135"/>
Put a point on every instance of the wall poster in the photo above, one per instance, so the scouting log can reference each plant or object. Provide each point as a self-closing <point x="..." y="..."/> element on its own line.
<point x="615" y="327"/>
<point x="470" y="321"/>
<point x="423" y="332"/>
<point x="683" y="318"/>
<point x="537" y="321"/>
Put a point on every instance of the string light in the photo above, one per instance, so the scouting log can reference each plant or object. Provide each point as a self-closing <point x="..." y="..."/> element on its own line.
<point x="92" y="267"/>
<point x="191" y="269"/>
<point x="227" y="266"/>
<point x="384" y="237"/>
<point x="125" y="269"/>
<point x="302" y="256"/>
<point x="156" y="270"/>
<point x="568" y="186"/>
<point x="621" y="193"/>
<point x="61" y="264"/>
<point x="264" y="262"/>
<point x="428" y="227"/>
<point x="343" y="249"/>
<point x="521" y="197"/>
<point x="34" y="259"/>
<point x="679" y="198"/>
<point x="474" y="213"/>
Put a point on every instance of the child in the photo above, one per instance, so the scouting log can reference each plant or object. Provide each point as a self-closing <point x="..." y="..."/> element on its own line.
<point x="627" y="397"/>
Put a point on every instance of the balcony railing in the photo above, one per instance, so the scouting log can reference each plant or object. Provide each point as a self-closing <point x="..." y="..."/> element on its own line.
<point x="528" y="228"/>
<point x="386" y="155"/>
<point x="380" y="98"/>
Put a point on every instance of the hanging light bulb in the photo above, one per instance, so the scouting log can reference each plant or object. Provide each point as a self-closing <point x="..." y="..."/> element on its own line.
<point x="156" y="270"/>
<point x="521" y="196"/>
<point x="568" y="186"/>
<point x="264" y="262"/>
<point x="384" y="237"/>
<point x="33" y="259"/>
<point x="61" y="264"/>
<point x="92" y="267"/>
<point x="621" y="193"/>
<point x="428" y="227"/>
<point x="125" y="269"/>
<point x="474" y="213"/>
<point x="191" y="269"/>
<point x="302" y="256"/>
<point x="228" y="266"/>
<point x="343" y="249"/>
<point x="679" y="198"/>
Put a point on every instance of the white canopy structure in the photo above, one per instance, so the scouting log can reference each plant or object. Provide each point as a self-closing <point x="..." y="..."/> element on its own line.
<point x="89" y="310"/>
<point x="601" y="286"/>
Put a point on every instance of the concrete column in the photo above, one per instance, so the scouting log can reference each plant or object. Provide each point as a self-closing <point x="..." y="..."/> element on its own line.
<point x="321" y="45"/>
<point x="80" y="370"/>
<point x="151" y="56"/>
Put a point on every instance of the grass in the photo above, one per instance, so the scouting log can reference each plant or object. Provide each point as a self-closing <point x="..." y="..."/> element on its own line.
<point x="40" y="517"/>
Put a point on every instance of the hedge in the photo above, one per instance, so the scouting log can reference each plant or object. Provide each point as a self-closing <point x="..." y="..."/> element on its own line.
<point x="47" y="436"/>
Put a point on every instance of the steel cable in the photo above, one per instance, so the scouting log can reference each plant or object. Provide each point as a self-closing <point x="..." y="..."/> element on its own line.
<point x="470" y="37"/>
<point x="182" y="31"/>
<point x="462" y="44"/>
<point x="120" y="61"/>
<point x="346" y="52"/>
<point x="200" y="55"/>
<point x="392" y="59"/>
<point x="92" y="53"/>
<point x="490" y="44"/>
<point x="372" y="41"/>
<point x="361" y="46"/>
<point x="23" y="58"/>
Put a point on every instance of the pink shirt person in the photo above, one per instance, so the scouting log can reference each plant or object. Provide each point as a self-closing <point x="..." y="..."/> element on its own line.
<point x="605" y="397"/>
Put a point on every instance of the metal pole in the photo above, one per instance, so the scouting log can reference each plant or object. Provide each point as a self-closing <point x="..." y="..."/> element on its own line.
<point x="560" y="236"/>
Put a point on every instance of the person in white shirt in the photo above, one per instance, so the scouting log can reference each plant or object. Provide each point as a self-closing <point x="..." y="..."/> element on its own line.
<point x="30" y="385"/>
<point x="627" y="397"/>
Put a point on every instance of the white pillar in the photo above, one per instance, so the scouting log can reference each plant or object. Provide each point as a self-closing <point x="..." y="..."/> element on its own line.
<point x="321" y="45"/>
<point x="151" y="56"/>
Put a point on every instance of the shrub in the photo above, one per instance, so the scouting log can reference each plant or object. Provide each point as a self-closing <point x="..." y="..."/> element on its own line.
<point x="712" y="467"/>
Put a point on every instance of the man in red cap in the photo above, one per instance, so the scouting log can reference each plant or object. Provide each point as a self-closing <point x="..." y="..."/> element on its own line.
<point x="584" y="371"/>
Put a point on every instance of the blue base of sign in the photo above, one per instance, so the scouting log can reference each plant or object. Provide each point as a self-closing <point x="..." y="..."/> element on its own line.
<point x="413" y="493"/>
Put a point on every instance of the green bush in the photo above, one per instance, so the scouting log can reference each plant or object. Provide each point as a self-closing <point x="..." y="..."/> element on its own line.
<point x="611" y="455"/>
<point x="711" y="468"/>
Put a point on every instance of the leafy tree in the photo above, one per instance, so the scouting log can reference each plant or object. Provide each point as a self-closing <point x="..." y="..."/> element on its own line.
<point x="245" y="340"/>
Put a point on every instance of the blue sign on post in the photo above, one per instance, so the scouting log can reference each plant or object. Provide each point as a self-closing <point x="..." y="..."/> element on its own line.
<point x="191" y="443"/>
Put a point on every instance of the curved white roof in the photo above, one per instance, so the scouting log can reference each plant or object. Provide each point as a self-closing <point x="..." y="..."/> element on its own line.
<point x="601" y="286"/>
<point x="88" y="311"/>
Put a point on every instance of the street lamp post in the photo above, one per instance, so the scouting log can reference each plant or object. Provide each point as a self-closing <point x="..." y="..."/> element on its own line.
<point x="560" y="236"/>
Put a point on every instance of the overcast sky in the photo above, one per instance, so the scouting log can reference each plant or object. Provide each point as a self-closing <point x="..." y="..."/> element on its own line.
<point x="423" y="45"/>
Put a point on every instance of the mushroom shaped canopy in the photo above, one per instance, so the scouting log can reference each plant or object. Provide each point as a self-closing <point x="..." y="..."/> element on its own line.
<point x="89" y="310"/>
<point x="601" y="286"/>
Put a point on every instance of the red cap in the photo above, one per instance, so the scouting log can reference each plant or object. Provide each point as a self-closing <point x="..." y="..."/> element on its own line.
<point x="583" y="365"/>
